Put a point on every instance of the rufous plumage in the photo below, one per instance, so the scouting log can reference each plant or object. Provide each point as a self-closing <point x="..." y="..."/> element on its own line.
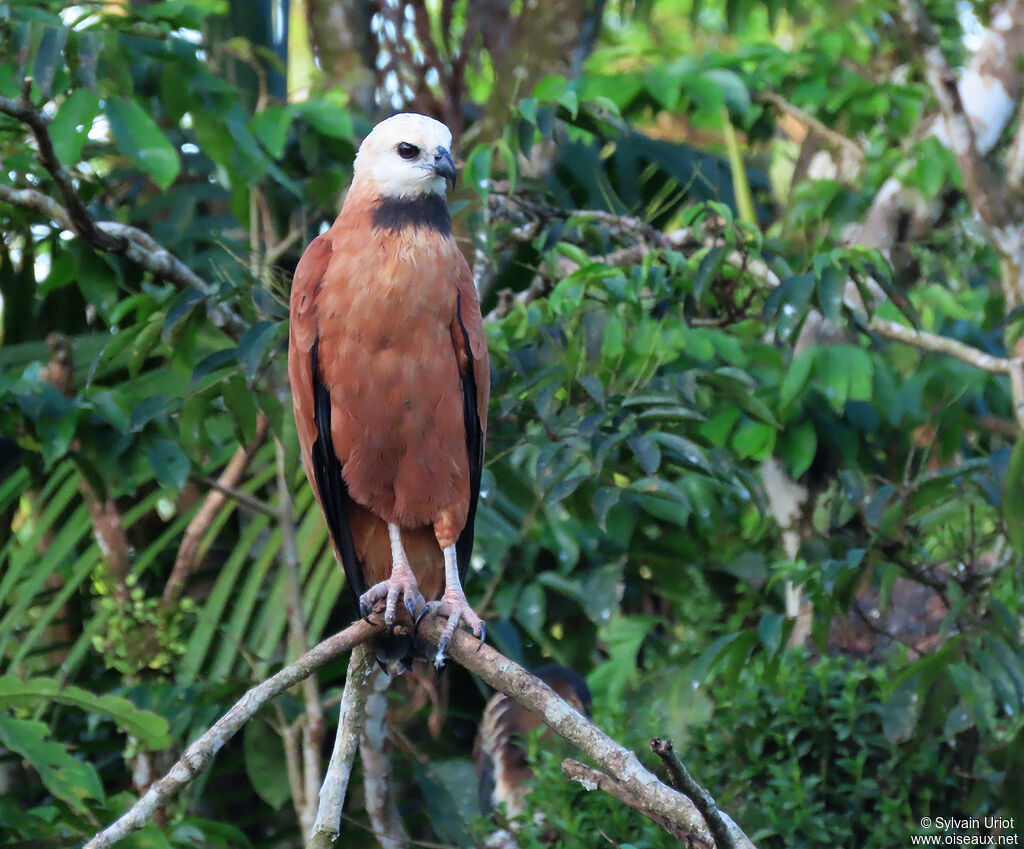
<point x="390" y="379"/>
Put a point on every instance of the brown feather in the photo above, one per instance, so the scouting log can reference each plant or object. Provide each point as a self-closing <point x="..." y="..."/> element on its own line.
<point x="380" y="306"/>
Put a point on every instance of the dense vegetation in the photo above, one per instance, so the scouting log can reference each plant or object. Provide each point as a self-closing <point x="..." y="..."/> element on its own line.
<point x="717" y="484"/>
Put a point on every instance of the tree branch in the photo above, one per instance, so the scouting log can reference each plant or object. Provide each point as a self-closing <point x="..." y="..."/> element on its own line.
<point x="350" y="727"/>
<point x="940" y="344"/>
<point x="106" y="236"/>
<point x="374" y="751"/>
<point x="80" y="220"/>
<point x="243" y="498"/>
<point x="617" y="761"/>
<point x="198" y="756"/>
<point x="978" y="177"/>
<point x="720" y="825"/>
<point x="625" y="769"/>
<point x="313" y="724"/>
<point x="827" y="133"/>
<point x="593" y="779"/>
<point x="1015" y="156"/>
<point x="188" y="551"/>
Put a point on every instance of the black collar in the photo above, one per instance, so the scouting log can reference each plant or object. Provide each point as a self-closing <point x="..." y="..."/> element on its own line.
<point x="426" y="210"/>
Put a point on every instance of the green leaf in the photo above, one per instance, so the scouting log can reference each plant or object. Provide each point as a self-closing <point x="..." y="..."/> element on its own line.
<point x="604" y="499"/>
<point x="708" y="268"/>
<point x="264" y="754"/>
<point x="65" y="776"/>
<point x="452" y="808"/>
<point x="797" y="446"/>
<point x="833" y="369"/>
<point x="170" y="464"/>
<point x="901" y="711"/>
<point x="150" y="729"/>
<point x="271" y="127"/>
<point x="622" y="637"/>
<point x="645" y="449"/>
<point x="530" y="611"/>
<point x="831" y="283"/>
<point x="478" y="169"/>
<point x="253" y="345"/>
<point x="72" y="123"/>
<point x="614" y="342"/>
<point x="754" y="440"/>
<point x="769" y="629"/>
<point x="141" y="140"/>
<point x="528" y="109"/>
<point x="1013" y="497"/>
<point x="327" y="118"/>
<point x="734" y="91"/>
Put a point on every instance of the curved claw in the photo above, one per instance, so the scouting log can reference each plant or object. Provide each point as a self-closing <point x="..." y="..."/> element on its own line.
<point x="421" y="615"/>
<point x="482" y="636"/>
<point x="389" y="591"/>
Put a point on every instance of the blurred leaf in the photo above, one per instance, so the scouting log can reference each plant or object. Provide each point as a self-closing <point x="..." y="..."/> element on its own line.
<point x="1013" y="497"/>
<point x="71" y="125"/>
<point x="69" y="779"/>
<point x="452" y="810"/>
<point x="150" y="729"/>
<point x="264" y="754"/>
<point x="169" y="463"/>
<point x="140" y="139"/>
<point x="622" y="638"/>
<point x="327" y="118"/>
<point x="901" y="711"/>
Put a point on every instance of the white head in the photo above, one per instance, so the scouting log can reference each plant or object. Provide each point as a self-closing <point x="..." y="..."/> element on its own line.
<point x="407" y="155"/>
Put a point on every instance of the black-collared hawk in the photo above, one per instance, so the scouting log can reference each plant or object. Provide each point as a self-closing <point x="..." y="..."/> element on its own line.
<point x="390" y="380"/>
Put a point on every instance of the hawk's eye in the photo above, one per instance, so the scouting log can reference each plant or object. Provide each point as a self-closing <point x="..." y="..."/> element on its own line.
<point x="408" y="151"/>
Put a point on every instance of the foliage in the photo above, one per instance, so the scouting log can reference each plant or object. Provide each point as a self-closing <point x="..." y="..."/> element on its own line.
<point x="654" y="349"/>
<point x="811" y="740"/>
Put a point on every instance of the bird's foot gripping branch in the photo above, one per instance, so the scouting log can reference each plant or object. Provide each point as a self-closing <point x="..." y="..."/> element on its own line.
<point x="619" y="771"/>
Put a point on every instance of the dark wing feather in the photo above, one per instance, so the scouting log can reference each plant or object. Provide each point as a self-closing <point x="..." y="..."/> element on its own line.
<point x="474" y="446"/>
<point x="331" y="485"/>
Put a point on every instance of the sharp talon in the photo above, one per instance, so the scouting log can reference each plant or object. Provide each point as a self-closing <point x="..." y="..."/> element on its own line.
<point x="410" y="603"/>
<point x="419" y="617"/>
<point x="382" y="665"/>
<point x="482" y="636"/>
<point x="365" y="610"/>
<point x="368" y="620"/>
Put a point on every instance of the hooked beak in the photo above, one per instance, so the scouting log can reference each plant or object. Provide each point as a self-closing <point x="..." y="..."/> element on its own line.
<point x="444" y="166"/>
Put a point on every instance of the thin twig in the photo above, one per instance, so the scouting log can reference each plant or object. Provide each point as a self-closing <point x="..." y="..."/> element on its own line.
<point x="199" y="755"/>
<point x="804" y="117"/>
<point x="423" y="844"/>
<point x="243" y="498"/>
<point x="350" y="727"/>
<point x="685" y="783"/>
<point x="188" y="551"/>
